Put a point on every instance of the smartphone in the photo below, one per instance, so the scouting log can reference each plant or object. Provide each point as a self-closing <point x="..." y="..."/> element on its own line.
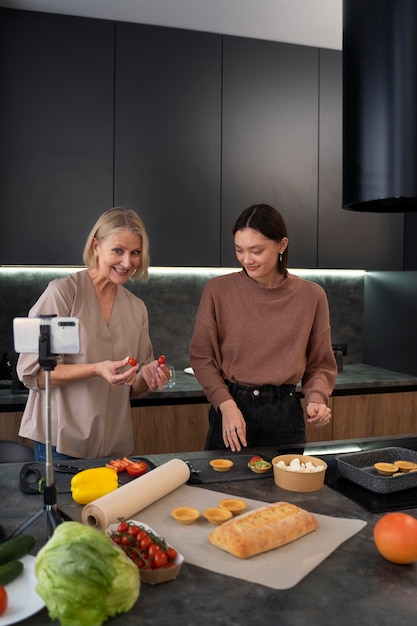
<point x="64" y="334"/>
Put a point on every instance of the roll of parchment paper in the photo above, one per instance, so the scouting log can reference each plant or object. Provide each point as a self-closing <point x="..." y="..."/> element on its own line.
<point x="136" y="495"/>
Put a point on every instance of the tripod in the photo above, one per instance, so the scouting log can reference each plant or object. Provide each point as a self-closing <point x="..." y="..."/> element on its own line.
<point x="54" y="516"/>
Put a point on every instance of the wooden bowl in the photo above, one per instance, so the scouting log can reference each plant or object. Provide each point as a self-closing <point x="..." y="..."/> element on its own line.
<point x="217" y="516"/>
<point x="221" y="465"/>
<point x="235" y="506"/>
<point x="185" y="514"/>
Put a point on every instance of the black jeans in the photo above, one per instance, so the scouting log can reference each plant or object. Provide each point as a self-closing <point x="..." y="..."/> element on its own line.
<point x="273" y="416"/>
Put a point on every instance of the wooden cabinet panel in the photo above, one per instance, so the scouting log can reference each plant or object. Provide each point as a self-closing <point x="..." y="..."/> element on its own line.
<point x="160" y="429"/>
<point x="183" y="428"/>
<point x="374" y="415"/>
<point x="167" y="139"/>
<point x="9" y="427"/>
<point x="270" y="139"/>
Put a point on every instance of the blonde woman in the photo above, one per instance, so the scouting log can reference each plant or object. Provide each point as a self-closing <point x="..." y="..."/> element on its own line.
<point x="91" y="390"/>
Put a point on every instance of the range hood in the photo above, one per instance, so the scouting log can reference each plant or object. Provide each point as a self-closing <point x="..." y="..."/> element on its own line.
<point x="380" y="105"/>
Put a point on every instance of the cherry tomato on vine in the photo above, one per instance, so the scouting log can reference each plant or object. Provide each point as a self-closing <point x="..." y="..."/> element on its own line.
<point x="123" y="527"/>
<point x="132" y="361"/>
<point x="145" y="543"/>
<point x="141" y="534"/>
<point x="161" y="360"/>
<point x="171" y="554"/>
<point x="160" y="559"/>
<point x="152" y="550"/>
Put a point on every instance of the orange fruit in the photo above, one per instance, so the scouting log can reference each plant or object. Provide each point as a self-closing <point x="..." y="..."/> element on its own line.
<point x="395" y="537"/>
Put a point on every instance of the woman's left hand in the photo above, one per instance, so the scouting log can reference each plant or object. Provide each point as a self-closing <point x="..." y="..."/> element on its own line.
<point x="318" y="414"/>
<point x="155" y="375"/>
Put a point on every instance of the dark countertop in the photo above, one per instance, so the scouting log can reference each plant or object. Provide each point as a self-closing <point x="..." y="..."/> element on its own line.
<point x="354" y="379"/>
<point x="354" y="584"/>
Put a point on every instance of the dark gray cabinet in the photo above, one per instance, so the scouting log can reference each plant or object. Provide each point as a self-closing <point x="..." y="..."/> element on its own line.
<point x="167" y="139"/>
<point x="347" y="239"/>
<point x="56" y="134"/>
<point x="270" y="139"/>
<point x="188" y="128"/>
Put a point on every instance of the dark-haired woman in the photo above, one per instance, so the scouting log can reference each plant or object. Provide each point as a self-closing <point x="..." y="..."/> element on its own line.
<point x="259" y="332"/>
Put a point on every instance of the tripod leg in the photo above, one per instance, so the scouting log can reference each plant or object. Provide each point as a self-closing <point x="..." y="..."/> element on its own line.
<point x="26" y="524"/>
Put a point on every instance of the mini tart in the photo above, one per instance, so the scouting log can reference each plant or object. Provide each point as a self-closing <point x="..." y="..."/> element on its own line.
<point x="217" y="516"/>
<point x="235" y="506"/>
<point x="405" y="466"/>
<point x="185" y="514"/>
<point x="386" y="469"/>
<point x="221" y="465"/>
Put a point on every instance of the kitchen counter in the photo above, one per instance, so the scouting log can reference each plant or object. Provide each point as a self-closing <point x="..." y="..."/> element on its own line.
<point x="354" y="379"/>
<point x="354" y="584"/>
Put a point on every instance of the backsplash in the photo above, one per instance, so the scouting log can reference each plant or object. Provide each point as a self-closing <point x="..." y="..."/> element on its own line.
<point x="172" y="297"/>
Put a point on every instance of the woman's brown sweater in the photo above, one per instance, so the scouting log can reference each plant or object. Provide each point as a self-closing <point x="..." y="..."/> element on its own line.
<point x="254" y="336"/>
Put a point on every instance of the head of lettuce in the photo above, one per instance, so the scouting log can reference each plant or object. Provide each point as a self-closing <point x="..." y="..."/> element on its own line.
<point x="83" y="577"/>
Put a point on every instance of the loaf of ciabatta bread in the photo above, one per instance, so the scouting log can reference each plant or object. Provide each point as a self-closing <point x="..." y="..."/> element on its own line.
<point x="263" y="529"/>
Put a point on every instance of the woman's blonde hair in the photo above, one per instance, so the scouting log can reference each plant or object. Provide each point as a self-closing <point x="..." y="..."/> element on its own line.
<point x="118" y="218"/>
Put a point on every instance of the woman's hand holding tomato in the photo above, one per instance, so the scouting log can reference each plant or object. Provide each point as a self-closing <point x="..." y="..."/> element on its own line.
<point x="156" y="374"/>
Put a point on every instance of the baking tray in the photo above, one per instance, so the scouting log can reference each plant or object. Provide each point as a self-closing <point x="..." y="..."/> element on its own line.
<point x="371" y="501"/>
<point x="359" y="468"/>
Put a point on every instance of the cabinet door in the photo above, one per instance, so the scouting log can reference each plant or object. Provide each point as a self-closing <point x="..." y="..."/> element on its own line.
<point x="347" y="239"/>
<point x="167" y="139"/>
<point x="374" y="415"/>
<point x="167" y="429"/>
<point x="56" y="134"/>
<point x="270" y="139"/>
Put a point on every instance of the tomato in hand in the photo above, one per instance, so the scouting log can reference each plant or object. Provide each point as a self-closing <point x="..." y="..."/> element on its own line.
<point x="137" y="469"/>
<point x="161" y="360"/>
<point x="132" y="361"/>
<point x="4" y="600"/>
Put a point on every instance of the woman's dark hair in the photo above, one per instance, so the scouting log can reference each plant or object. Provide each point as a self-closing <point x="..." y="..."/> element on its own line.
<point x="268" y="221"/>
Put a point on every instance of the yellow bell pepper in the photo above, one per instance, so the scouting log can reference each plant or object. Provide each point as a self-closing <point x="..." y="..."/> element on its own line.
<point x="90" y="484"/>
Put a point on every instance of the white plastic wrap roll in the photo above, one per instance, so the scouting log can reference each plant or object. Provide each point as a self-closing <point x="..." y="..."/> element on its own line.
<point x="136" y="495"/>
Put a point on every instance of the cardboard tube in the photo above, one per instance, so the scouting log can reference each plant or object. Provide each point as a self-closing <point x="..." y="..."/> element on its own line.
<point x="136" y="495"/>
